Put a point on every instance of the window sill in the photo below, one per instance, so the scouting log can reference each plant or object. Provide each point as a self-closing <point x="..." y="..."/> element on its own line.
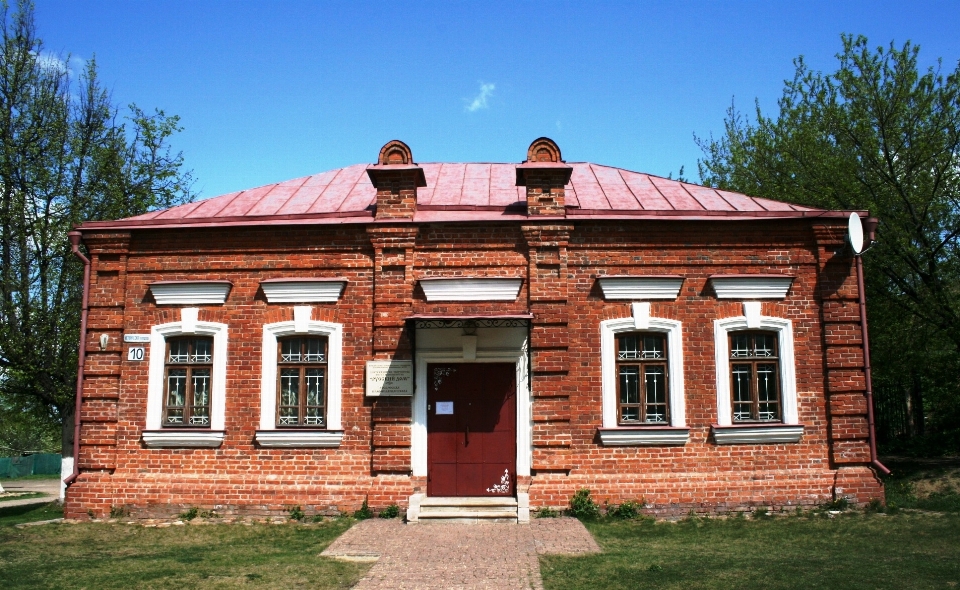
<point x="644" y="436"/>
<point x="284" y="439"/>
<point x="158" y="439"/>
<point x="757" y="434"/>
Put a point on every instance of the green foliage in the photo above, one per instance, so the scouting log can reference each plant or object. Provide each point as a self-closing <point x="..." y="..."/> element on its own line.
<point x="190" y="514"/>
<point x="117" y="512"/>
<point x="839" y="503"/>
<point x="364" y="512"/>
<point x="629" y="510"/>
<point x="546" y="512"/>
<point x="391" y="511"/>
<point x="296" y="513"/>
<point x="875" y="506"/>
<point x="876" y="134"/>
<point x="760" y="512"/>
<point x="582" y="505"/>
<point x="68" y="155"/>
<point x="317" y="518"/>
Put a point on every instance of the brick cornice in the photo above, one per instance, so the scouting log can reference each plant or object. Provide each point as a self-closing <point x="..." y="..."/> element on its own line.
<point x="547" y="235"/>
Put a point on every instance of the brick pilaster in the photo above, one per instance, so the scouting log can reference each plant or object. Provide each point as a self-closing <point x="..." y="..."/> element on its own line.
<point x="549" y="343"/>
<point x="843" y="348"/>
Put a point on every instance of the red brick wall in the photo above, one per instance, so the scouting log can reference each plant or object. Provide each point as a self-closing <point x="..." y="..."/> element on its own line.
<point x="559" y="260"/>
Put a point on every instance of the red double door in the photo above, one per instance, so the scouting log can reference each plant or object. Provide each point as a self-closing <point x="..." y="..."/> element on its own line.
<point x="471" y="429"/>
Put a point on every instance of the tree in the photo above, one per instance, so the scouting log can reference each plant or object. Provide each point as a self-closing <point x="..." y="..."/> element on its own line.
<point x="65" y="156"/>
<point x="877" y="134"/>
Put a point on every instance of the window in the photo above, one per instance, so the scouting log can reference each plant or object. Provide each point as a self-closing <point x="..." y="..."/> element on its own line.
<point x="755" y="377"/>
<point x="187" y="373"/>
<point x="300" y="383"/>
<point x="642" y="379"/>
<point x="641" y="362"/>
<point x="186" y="388"/>
<point x="302" y="372"/>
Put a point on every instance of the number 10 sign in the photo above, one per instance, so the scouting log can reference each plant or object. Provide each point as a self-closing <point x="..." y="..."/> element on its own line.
<point x="135" y="353"/>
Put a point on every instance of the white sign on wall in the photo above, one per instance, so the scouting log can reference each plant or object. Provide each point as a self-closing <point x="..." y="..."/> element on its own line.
<point x="389" y="378"/>
<point x="136" y="337"/>
<point x="135" y="353"/>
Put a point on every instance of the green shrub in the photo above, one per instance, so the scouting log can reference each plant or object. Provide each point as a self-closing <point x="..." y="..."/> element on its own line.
<point x="190" y="514"/>
<point x="117" y="512"/>
<point x="582" y="505"/>
<point x="760" y="512"/>
<point x="629" y="510"/>
<point x="875" y="506"/>
<point x="546" y="512"/>
<point x="364" y="512"/>
<point x="840" y="504"/>
<point x="296" y="513"/>
<point x="391" y="511"/>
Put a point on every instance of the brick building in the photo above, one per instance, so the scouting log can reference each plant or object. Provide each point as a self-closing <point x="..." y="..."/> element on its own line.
<point x="406" y="333"/>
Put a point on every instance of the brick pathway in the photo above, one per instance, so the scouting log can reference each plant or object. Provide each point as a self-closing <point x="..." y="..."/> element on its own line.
<point x="458" y="556"/>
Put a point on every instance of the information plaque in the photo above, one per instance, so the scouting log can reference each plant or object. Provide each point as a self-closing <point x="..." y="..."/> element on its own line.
<point x="389" y="378"/>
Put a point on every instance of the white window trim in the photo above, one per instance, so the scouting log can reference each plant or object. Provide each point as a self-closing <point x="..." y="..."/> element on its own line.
<point x="202" y="437"/>
<point x="642" y="322"/>
<point x="331" y="435"/>
<point x="788" y="373"/>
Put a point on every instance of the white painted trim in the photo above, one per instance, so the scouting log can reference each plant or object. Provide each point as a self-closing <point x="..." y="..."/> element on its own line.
<point x="418" y="435"/>
<point x="633" y="288"/>
<point x="299" y="438"/>
<point x="190" y="293"/>
<point x="300" y="291"/>
<point x="158" y="439"/>
<point x="788" y="371"/>
<point x="268" y="371"/>
<point x="651" y="436"/>
<point x="470" y="289"/>
<point x="747" y="287"/>
<point x="608" y="366"/>
<point x="158" y="351"/>
<point x="757" y="434"/>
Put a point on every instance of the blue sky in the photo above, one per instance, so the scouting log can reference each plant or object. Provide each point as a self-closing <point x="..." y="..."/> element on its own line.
<point x="269" y="91"/>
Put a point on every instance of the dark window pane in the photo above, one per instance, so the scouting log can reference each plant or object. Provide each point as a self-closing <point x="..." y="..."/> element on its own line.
<point x="765" y="345"/>
<point x="201" y="351"/>
<point x="656" y="384"/>
<point x="630" y="413"/>
<point x="290" y="350"/>
<point x="315" y="350"/>
<point x="628" y="347"/>
<point x="179" y="351"/>
<point x="740" y="346"/>
<point x="653" y="347"/>
<point x="629" y="385"/>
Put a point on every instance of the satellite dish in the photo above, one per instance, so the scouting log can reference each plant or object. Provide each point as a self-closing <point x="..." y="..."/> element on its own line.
<point x="855" y="233"/>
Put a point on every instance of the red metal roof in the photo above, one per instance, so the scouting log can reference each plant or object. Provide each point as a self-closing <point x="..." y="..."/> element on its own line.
<point x="466" y="192"/>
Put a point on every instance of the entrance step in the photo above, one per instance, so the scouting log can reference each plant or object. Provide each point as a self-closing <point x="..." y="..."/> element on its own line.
<point x="468" y="510"/>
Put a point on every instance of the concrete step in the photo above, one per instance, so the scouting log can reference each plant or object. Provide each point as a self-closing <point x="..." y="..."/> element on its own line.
<point x="468" y="510"/>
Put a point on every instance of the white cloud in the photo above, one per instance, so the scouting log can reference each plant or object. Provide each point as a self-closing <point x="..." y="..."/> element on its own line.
<point x="480" y="102"/>
<point x="53" y="62"/>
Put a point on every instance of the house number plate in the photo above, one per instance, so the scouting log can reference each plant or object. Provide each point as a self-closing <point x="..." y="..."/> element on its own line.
<point x="135" y="353"/>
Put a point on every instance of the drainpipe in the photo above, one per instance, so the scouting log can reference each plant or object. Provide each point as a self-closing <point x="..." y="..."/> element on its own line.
<point x="874" y="462"/>
<point x="75" y="246"/>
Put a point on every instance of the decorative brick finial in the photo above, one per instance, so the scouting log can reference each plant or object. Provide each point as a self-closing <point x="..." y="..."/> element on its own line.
<point x="545" y="175"/>
<point x="544" y="149"/>
<point x="395" y="152"/>
<point x="396" y="178"/>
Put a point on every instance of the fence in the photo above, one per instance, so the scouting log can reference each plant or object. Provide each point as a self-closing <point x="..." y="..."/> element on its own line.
<point x="36" y="464"/>
<point x="898" y="411"/>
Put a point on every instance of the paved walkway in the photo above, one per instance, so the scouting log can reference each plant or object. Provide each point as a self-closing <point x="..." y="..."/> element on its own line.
<point x="458" y="556"/>
<point x="50" y="487"/>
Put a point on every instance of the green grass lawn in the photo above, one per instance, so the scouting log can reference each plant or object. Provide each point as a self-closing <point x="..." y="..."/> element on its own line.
<point x="850" y="551"/>
<point x="101" y="556"/>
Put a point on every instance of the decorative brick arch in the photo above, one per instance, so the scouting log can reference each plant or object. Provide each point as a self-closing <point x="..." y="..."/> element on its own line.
<point x="396" y="152"/>
<point x="543" y="149"/>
